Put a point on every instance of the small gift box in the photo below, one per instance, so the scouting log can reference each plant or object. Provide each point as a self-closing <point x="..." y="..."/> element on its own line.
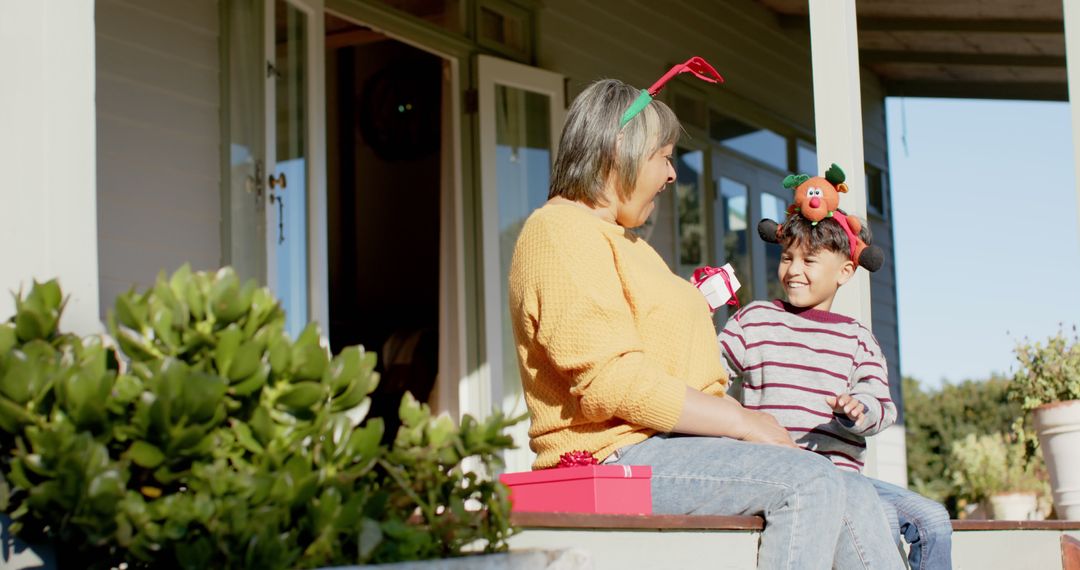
<point x="606" y="489"/>
<point x="718" y="285"/>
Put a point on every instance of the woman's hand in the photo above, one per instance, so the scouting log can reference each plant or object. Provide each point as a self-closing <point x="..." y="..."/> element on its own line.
<point x="762" y="427"/>
<point x="725" y="417"/>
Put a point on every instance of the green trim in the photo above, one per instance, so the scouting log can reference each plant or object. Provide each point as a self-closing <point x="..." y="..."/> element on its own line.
<point x="636" y="107"/>
<point x="472" y="262"/>
<point x="225" y="132"/>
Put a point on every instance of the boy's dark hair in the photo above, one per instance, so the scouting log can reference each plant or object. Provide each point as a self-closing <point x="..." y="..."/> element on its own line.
<point x="827" y="234"/>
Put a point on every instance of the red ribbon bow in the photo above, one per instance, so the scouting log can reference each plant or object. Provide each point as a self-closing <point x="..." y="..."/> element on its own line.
<point x="577" y="458"/>
<point x="696" y="65"/>
<point x="702" y="274"/>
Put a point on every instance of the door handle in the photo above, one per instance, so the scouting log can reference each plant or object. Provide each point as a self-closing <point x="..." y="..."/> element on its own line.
<point x="278" y="182"/>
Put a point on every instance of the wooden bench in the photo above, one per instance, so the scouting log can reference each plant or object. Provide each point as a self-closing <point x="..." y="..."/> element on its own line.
<point x="688" y="541"/>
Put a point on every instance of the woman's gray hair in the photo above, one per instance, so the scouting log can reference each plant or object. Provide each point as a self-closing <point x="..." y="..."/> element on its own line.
<point x="590" y="148"/>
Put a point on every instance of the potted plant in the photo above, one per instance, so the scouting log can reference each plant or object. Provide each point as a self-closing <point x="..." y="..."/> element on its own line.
<point x="1047" y="384"/>
<point x="206" y="437"/>
<point x="992" y="470"/>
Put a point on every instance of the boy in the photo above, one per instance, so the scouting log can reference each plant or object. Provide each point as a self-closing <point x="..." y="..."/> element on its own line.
<point x="823" y="375"/>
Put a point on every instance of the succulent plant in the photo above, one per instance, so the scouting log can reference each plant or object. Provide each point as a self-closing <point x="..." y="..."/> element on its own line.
<point x="199" y="434"/>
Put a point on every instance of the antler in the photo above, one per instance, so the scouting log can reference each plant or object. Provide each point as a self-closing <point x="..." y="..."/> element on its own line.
<point x="696" y="65"/>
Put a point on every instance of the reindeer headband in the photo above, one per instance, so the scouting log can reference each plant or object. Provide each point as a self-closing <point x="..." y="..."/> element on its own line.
<point x="817" y="199"/>
<point x="696" y="65"/>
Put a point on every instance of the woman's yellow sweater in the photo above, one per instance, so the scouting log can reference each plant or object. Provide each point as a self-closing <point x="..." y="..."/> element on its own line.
<point x="608" y="337"/>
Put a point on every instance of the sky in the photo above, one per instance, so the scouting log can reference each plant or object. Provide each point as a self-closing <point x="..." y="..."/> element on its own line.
<point x="987" y="247"/>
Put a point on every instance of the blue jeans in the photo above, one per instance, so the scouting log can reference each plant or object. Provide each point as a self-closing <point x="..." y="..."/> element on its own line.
<point x="923" y="523"/>
<point x="815" y="516"/>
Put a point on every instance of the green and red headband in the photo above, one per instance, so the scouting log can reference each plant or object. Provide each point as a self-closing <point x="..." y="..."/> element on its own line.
<point x="696" y="65"/>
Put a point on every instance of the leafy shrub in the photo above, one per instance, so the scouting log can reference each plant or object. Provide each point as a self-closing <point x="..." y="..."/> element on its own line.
<point x="1048" y="372"/>
<point x="935" y="419"/>
<point x="987" y="465"/>
<point x="210" y="439"/>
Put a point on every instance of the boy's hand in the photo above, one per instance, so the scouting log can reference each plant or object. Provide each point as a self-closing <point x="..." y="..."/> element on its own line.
<point x="849" y="406"/>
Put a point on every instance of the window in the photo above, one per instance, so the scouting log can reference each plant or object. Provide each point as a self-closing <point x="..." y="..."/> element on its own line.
<point x="773" y="207"/>
<point x="504" y="27"/>
<point x="733" y="209"/>
<point x="877" y="200"/>
<point x="759" y="144"/>
<point x="805" y="157"/>
<point x="690" y="217"/>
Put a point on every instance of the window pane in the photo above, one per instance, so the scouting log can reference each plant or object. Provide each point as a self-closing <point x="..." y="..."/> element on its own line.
<point x="761" y="144"/>
<point x="806" y="158"/>
<point x="289" y="201"/>
<point x="733" y="205"/>
<point x="501" y="24"/>
<point x="690" y="219"/>
<point x="772" y="207"/>
<point x="875" y="191"/>
<point x="523" y="166"/>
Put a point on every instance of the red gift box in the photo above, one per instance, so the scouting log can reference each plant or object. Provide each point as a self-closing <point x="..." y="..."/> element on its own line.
<point x="607" y="489"/>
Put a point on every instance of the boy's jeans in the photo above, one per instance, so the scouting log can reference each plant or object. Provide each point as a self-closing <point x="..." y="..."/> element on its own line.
<point x="814" y="514"/>
<point x="923" y="523"/>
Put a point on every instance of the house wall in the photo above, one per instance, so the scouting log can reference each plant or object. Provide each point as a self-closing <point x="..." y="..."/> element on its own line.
<point x="158" y="137"/>
<point x="767" y="82"/>
<point x="158" y="104"/>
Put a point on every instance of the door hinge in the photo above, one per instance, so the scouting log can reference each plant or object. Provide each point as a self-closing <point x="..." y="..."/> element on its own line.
<point x="471" y="101"/>
<point x="256" y="184"/>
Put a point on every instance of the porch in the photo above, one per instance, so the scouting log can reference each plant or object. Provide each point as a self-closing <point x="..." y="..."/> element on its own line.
<point x="618" y="542"/>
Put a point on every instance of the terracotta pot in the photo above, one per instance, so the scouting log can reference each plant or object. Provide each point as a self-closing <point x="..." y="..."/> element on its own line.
<point x="1014" y="506"/>
<point x="1058" y="426"/>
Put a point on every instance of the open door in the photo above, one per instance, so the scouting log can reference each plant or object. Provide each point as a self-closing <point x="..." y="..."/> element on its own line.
<point x="295" y="210"/>
<point x="521" y="112"/>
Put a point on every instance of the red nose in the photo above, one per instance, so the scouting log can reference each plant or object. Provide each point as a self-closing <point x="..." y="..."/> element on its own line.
<point x="815" y="202"/>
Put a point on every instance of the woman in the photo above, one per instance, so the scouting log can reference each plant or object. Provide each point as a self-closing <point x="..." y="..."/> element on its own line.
<point x="618" y="355"/>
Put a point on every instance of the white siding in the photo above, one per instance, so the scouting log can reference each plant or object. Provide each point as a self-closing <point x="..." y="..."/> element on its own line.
<point x="158" y="140"/>
<point x="47" y="201"/>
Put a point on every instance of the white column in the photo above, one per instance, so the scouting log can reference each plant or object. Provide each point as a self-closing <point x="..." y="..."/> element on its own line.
<point x="1072" y="58"/>
<point x="834" y="44"/>
<point x="838" y="119"/>
<point x="48" y="206"/>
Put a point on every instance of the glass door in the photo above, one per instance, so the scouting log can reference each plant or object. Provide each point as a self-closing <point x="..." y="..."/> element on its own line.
<point x="744" y="193"/>
<point x="295" y="189"/>
<point x="521" y="115"/>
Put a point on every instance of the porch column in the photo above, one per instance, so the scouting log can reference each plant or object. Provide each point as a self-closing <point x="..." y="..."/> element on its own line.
<point x="48" y="206"/>
<point x="1072" y="60"/>
<point x="834" y="45"/>
<point x="838" y="121"/>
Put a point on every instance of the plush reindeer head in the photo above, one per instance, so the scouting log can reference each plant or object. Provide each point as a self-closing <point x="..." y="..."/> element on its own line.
<point x="816" y="198"/>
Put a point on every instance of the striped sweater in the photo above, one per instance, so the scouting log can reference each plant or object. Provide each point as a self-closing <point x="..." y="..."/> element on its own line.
<point x="789" y="359"/>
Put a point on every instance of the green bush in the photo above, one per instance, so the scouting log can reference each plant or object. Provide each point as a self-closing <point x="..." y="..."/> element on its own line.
<point x="934" y="419"/>
<point x="205" y="437"/>
<point x="987" y="465"/>
<point x="1047" y="372"/>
